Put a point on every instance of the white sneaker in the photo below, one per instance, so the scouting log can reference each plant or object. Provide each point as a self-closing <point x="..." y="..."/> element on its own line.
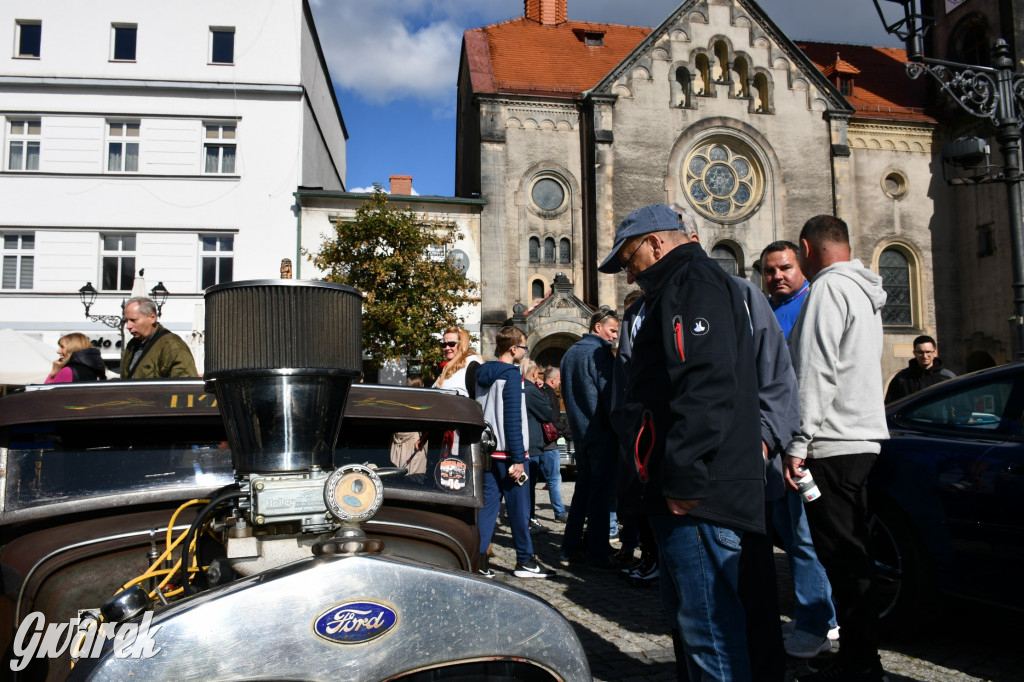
<point x="833" y="634"/>
<point x="805" y="645"/>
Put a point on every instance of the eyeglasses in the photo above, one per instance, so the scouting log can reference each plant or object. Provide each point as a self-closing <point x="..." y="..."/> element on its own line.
<point x="525" y="348"/>
<point x="610" y="313"/>
<point x="449" y="344"/>
<point x="625" y="264"/>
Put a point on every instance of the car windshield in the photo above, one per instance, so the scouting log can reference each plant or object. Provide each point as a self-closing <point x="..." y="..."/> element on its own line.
<point x="980" y="407"/>
<point x="80" y="460"/>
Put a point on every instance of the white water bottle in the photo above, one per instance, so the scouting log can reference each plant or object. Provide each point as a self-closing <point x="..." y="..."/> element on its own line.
<point x="806" y="486"/>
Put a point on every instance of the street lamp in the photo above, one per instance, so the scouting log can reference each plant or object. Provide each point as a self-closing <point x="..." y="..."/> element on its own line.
<point x="159" y="295"/>
<point x="88" y="293"/>
<point x="994" y="92"/>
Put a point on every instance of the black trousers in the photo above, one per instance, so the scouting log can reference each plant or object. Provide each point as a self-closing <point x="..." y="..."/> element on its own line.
<point x="759" y="593"/>
<point x="838" y="522"/>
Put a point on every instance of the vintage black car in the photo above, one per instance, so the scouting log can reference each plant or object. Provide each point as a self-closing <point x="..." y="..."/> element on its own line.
<point x="947" y="495"/>
<point x="269" y="523"/>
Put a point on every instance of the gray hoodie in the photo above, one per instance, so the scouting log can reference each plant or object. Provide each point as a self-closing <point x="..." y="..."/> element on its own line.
<point x="836" y="346"/>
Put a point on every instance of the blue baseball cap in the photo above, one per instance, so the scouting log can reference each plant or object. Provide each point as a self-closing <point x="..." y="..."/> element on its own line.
<point x="653" y="218"/>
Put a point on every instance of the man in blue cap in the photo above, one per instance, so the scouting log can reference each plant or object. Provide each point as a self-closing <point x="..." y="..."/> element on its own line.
<point x="691" y="416"/>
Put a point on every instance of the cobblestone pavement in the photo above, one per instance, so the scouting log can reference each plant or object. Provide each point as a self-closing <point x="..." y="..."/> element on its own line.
<point x="625" y="634"/>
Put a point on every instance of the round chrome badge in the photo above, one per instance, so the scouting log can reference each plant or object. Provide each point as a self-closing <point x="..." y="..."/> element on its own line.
<point x="355" y="622"/>
<point x="353" y="493"/>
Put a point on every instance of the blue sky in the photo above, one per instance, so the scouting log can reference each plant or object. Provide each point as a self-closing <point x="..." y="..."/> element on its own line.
<point x="395" y="64"/>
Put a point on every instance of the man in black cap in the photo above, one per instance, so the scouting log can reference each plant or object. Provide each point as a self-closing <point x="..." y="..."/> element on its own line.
<point x="691" y="416"/>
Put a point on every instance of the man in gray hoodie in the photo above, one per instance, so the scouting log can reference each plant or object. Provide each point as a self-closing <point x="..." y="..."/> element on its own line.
<point x="836" y="346"/>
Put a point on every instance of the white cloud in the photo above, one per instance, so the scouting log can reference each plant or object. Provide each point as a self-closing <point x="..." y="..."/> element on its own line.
<point x="369" y="190"/>
<point x="378" y="50"/>
<point x="388" y="50"/>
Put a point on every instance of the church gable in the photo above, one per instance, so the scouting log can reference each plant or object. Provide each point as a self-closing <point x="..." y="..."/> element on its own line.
<point x="719" y="50"/>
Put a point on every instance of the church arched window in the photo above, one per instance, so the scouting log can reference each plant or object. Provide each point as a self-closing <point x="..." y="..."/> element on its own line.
<point x="534" y="250"/>
<point x="894" y="268"/>
<point x="564" y="251"/>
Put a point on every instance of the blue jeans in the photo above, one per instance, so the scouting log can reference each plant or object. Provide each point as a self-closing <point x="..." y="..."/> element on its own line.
<point x="700" y="565"/>
<point x="497" y="484"/>
<point x="551" y="467"/>
<point x="813" y="611"/>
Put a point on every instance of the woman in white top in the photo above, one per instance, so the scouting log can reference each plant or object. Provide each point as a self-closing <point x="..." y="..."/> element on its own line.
<point x="458" y="371"/>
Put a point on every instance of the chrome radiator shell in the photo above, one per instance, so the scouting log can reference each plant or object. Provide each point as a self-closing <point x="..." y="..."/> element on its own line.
<point x="263" y="627"/>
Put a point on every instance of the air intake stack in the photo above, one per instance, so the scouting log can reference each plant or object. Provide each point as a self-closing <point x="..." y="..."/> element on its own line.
<point x="281" y="356"/>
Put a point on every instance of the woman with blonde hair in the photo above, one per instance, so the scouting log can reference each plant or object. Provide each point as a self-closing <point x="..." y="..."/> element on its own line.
<point x="458" y="371"/>
<point x="77" y="361"/>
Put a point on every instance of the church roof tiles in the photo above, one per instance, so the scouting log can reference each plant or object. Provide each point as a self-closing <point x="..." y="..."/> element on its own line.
<point x="521" y="56"/>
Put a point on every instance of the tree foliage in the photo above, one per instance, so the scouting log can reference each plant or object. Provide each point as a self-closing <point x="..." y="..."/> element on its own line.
<point x="409" y="296"/>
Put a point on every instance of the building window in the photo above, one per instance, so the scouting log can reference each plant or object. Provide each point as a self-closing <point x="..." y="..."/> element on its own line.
<point x="895" y="271"/>
<point x="986" y="240"/>
<point x="222" y="45"/>
<point x="534" y="250"/>
<point x="219" y="150"/>
<point x="537" y="289"/>
<point x="895" y="184"/>
<point x="548" y="195"/>
<point x="726" y="258"/>
<point x="549" y="250"/>
<point x="723" y="180"/>
<point x="28" y="38"/>
<point x="19" y="261"/>
<point x="846" y="86"/>
<point x="218" y="260"/>
<point x="122" y="147"/>
<point x="564" y="251"/>
<point x="761" y="103"/>
<point x="123" y="47"/>
<point x="24" y="142"/>
<point x="118" y="259"/>
<point x="681" y="87"/>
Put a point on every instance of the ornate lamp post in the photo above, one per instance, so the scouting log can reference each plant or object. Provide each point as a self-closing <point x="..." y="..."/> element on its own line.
<point x="994" y="92"/>
<point x="88" y="293"/>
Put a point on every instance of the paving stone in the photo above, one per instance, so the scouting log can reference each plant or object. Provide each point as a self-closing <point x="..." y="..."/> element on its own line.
<point x="626" y="635"/>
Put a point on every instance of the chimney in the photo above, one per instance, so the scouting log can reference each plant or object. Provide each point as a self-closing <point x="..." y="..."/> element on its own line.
<point x="547" y="12"/>
<point x="401" y="184"/>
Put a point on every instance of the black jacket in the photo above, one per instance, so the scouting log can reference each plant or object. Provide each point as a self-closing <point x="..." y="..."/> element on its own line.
<point x="557" y="418"/>
<point x="914" y="378"/>
<point x="691" y="406"/>
<point x="87" y="365"/>
<point x="538" y="410"/>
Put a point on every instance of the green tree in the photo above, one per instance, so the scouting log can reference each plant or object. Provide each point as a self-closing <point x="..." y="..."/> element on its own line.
<point x="409" y="294"/>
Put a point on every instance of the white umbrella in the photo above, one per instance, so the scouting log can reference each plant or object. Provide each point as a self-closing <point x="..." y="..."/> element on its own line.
<point x="24" y="360"/>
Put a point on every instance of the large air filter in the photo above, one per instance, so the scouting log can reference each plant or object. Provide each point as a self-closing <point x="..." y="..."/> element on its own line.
<point x="281" y="356"/>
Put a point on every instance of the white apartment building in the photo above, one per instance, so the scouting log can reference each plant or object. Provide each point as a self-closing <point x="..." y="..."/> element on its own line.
<point x="169" y="137"/>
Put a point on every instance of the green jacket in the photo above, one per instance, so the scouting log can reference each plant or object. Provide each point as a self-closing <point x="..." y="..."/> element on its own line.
<point x="165" y="356"/>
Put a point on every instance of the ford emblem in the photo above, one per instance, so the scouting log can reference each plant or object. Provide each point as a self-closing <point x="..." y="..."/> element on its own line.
<point x="355" y="622"/>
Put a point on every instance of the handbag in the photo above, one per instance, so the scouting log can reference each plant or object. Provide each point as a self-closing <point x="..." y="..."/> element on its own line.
<point x="550" y="432"/>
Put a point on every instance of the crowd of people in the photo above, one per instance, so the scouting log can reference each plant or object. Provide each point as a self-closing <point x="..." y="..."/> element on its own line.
<point x="694" y="417"/>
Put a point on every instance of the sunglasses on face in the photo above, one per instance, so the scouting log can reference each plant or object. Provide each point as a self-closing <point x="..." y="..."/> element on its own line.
<point x="449" y="344"/>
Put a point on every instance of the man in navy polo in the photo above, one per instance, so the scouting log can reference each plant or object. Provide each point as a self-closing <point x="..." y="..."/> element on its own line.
<point x="814" y="616"/>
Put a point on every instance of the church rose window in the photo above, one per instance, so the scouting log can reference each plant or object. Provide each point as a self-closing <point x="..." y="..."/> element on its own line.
<point x="723" y="180"/>
<point x="548" y="194"/>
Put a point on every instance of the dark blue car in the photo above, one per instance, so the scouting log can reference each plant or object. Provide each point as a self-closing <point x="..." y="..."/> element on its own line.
<point x="947" y="495"/>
